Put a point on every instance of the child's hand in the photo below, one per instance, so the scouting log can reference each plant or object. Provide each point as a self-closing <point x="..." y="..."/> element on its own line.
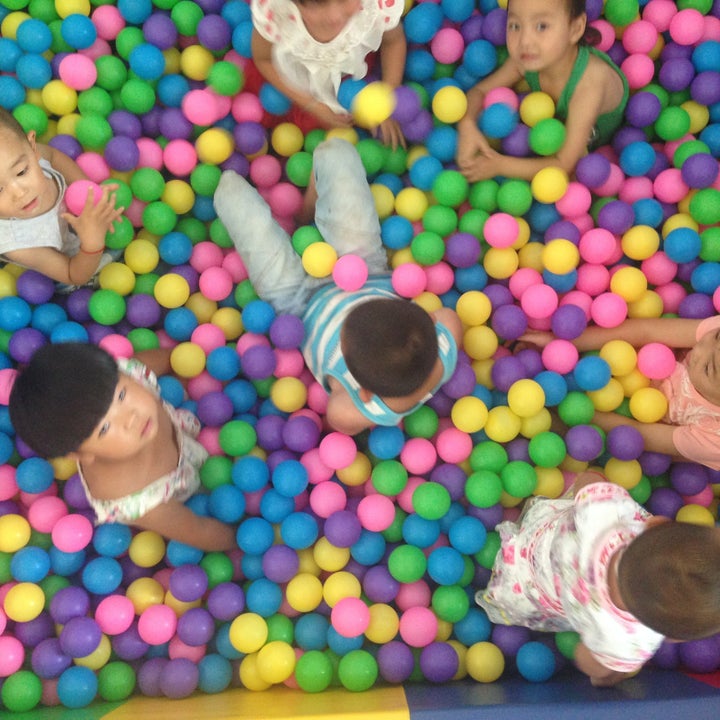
<point x="391" y="134"/>
<point x="538" y="338"/>
<point x="483" y="167"/>
<point x="471" y="144"/>
<point x="95" y="220"/>
<point x="329" y="118"/>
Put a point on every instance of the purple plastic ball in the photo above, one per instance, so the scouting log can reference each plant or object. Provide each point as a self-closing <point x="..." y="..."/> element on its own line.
<point x="80" y="636"/>
<point x="128" y="645"/>
<point x="505" y="371"/>
<point x="462" y="382"/>
<point x="676" y="74"/>
<point x="379" y="585"/>
<point x="37" y="289"/>
<point x="700" y="656"/>
<point x="698" y="171"/>
<point x="24" y="342"/>
<point x="498" y="295"/>
<point x="517" y="143"/>
<point x="69" y="602"/>
<point x="509" y="638"/>
<point x="125" y="123"/>
<point x="653" y="463"/>
<point x="143" y="311"/>
<point x="214" y="33"/>
<point x="451" y="477"/>
<point x="250" y="137"/>
<point x="258" y="362"/>
<point x="705" y="88"/>
<point x="287" y="332"/>
<point x="269" y="431"/>
<point x="395" y="661"/>
<point x="226" y="601"/>
<point x="643" y="109"/>
<point x="438" y="662"/>
<point x="531" y="360"/>
<point x="300" y="433"/>
<point x="564" y="229"/>
<point x="584" y="442"/>
<point x="688" y="478"/>
<point x="342" y="528"/>
<point x="625" y="442"/>
<point x="493" y="28"/>
<point x="48" y="660"/>
<point x="417" y="129"/>
<point x="34" y="631"/>
<point x="188" y="583"/>
<point x="174" y="125"/>
<point x="148" y="677"/>
<point x="214" y="409"/>
<point x="509" y="322"/>
<point x="592" y="170"/>
<point x="280" y="563"/>
<point x="462" y="250"/>
<point x="160" y="31"/>
<point x="66" y="143"/>
<point x="568" y="322"/>
<point x="665" y="501"/>
<point x="179" y="678"/>
<point x="196" y="627"/>
<point x="407" y="105"/>
<point x="667" y="656"/>
<point x="697" y="306"/>
<point x="616" y="216"/>
<point x="518" y="450"/>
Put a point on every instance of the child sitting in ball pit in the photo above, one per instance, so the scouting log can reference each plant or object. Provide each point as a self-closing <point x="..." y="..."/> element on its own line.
<point x="305" y="47"/>
<point x="690" y="429"/>
<point x="550" y="47"/>
<point x="597" y="563"/>
<point x="379" y="356"/>
<point x="36" y="231"/>
<point x="137" y="456"/>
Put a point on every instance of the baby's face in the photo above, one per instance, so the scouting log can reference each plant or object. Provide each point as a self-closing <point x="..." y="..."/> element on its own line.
<point x="129" y="425"/>
<point x="703" y="363"/>
<point x="24" y="189"/>
<point x="325" y="20"/>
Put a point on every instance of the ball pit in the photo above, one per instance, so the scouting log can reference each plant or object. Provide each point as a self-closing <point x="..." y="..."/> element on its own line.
<point x="154" y="97"/>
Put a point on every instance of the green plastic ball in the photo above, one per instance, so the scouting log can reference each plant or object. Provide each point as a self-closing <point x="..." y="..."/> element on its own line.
<point x="111" y="72"/>
<point x="514" y="197"/>
<point x="687" y="149"/>
<point x="216" y="471"/>
<point x="576" y="408"/>
<point x="313" y="139"/>
<point x="280" y="627"/>
<point x="194" y="228"/>
<point x="127" y="40"/>
<point x="314" y="671"/>
<point x="186" y="15"/>
<point x="483" y="195"/>
<point x="393" y="533"/>
<point x="547" y="449"/>
<point x="244" y="293"/>
<point x="486" y="556"/>
<point x="427" y="248"/>
<point x="389" y="477"/>
<point x="423" y="422"/>
<point x="395" y="161"/>
<point x="226" y="78"/>
<point x="672" y="123"/>
<point x="123" y="235"/>
<point x="159" y="218"/>
<point x="710" y="249"/>
<point x="58" y="41"/>
<point x="15" y="4"/>
<point x="51" y="584"/>
<point x="143" y="338"/>
<point x="488" y="455"/>
<point x="473" y="221"/>
<point x="483" y="488"/>
<point x="218" y="567"/>
<point x="137" y="96"/>
<point x="547" y="136"/>
<point x="298" y="168"/>
<point x="93" y="132"/>
<point x="642" y="491"/>
<point x="305" y="236"/>
<point x="106" y="307"/>
<point x="21" y="691"/>
<point x="147" y="184"/>
<point x="440" y="219"/>
<point x="123" y="193"/>
<point x="450" y="188"/>
<point x="450" y="603"/>
<point x="703" y="6"/>
<point x="5" y="571"/>
<point x="237" y="438"/>
<point x="566" y="642"/>
<point x="219" y="234"/>
<point x="204" y="179"/>
<point x="145" y="285"/>
<point x="372" y="154"/>
<point x="116" y="681"/>
<point x="31" y="117"/>
<point x="407" y="563"/>
<point x="431" y="500"/>
<point x="519" y="478"/>
<point x="43" y="10"/>
<point x="95" y="101"/>
<point x="621" y="12"/>
<point x="357" y="670"/>
<point x="705" y="206"/>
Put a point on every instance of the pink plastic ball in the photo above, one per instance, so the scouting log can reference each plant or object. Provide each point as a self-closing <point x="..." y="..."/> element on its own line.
<point x="703" y="498"/>
<point x="326" y="498"/>
<point x="418" y="456"/>
<point x="350" y="617"/>
<point x="447" y="45"/>
<point x="639" y="37"/>
<point x="77" y="193"/>
<point x="317" y="470"/>
<point x="712" y="29"/>
<point x="215" y="283"/>
<point x="337" y="450"/>
<point x="592" y="279"/>
<point x="108" y="21"/>
<point x="115" y="614"/>
<point x="501" y="230"/>
<point x="660" y="13"/>
<point x="350" y="272"/>
<point x="246" y="107"/>
<point x="265" y="171"/>
<point x="290" y="362"/>
<point x="503" y="95"/>
<point x="418" y="626"/>
<point x="179" y="157"/>
<point x="607" y="33"/>
<point x="559" y="355"/>
<point x="575" y="202"/>
<point x="597" y="245"/>
<point x="77" y="71"/>
<point x="199" y="107"/>
<point x="440" y="278"/>
<point x="404" y="498"/>
<point x="44" y="513"/>
<point x="99" y="48"/>
<point x="234" y="264"/>
<point x="206" y="254"/>
<point x="636" y="188"/>
<point x="409" y="280"/>
<point x="659" y="269"/>
<point x="7" y="378"/>
<point x="202" y="384"/>
<point x="453" y="445"/>
<point x="614" y="182"/>
<point x="669" y="186"/>
<point x="12" y="655"/>
<point x="687" y="27"/>
<point x="150" y="153"/>
<point x="376" y="512"/>
<point x="208" y="337"/>
<point x="579" y="298"/>
<point x="539" y="301"/>
<point x="157" y="624"/>
<point x="608" y="310"/>
<point x="638" y="69"/>
<point x="656" y="361"/>
<point x="284" y="199"/>
<point x="672" y="294"/>
<point x="94" y="166"/>
<point x="417" y="594"/>
<point x="317" y="398"/>
<point x="72" y="533"/>
<point x="117" y="345"/>
<point x="522" y="279"/>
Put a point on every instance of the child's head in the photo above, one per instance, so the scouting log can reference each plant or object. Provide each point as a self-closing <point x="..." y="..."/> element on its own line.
<point x="326" y="18"/>
<point x="669" y="579"/>
<point x="390" y="346"/>
<point x="703" y="364"/>
<point x="21" y="177"/>
<point x="61" y="396"/>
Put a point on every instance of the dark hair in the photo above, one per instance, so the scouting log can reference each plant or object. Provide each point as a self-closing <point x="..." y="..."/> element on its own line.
<point x="591" y="36"/>
<point x="669" y="579"/>
<point x="390" y="346"/>
<point x="59" y="398"/>
<point x="9" y="122"/>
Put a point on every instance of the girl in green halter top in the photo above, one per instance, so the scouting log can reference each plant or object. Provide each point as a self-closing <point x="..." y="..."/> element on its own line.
<point x="547" y="42"/>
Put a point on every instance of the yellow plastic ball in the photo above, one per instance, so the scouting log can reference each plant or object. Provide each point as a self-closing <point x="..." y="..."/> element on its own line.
<point x="196" y="62"/>
<point x="401" y="257"/>
<point x="347" y="133"/>
<point x="449" y="104"/>
<point x="11" y="22"/>
<point x="428" y="301"/>
<point x="500" y="263"/>
<point x="58" y="98"/>
<point x="550" y="482"/>
<point x="142" y="256"/>
<point x="607" y="398"/>
<point x="214" y="146"/>
<point x="502" y="425"/>
<point x="276" y="661"/>
<point x="633" y="381"/>
<point x="384" y="624"/>
<point x="626" y="473"/>
<point x="64" y="468"/>
<point x="373" y="104"/>
<point x="8" y="282"/>
<point x="535" y="424"/>
<point x="187" y="359"/>
<point x="549" y="184"/>
<point x="461" y="652"/>
<point x="171" y="290"/>
<point x="678" y="220"/>
<point x="67" y="123"/>
<point x="179" y="195"/>
<point x="288" y="394"/>
<point x="287" y="139"/>
<point x="172" y="60"/>
<point x="560" y="256"/>
<point x="640" y="242"/>
<point x="648" y="405"/>
<point x="357" y="472"/>
<point x="485" y="662"/>
<point x="339" y="585"/>
<point x="98" y="657"/>
<point x="304" y="592"/>
<point x="118" y="277"/>
<point x="384" y="200"/>
<point x="147" y="549"/>
<point x="536" y="106"/>
<point x="526" y="398"/>
<point x="473" y="307"/>
<point x="415" y="153"/>
<point x="629" y="283"/>
<point x="203" y="308"/>
<point x="71" y="7"/>
<point x="318" y="259"/>
<point x="144" y="592"/>
<point x="15" y="532"/>
<point x="530" y="256"/>
<point x="178" y="606"/>
<point x="250" y="674"/>
<point x="480" y="342"/>
<point x="620" y="355"/>
<point x="229" y="320"/>
<point x="469" y="414"/>
<point x="248" y="632"/>
<point x="411" y="203"/>
<point x="695" y="515"/>
<point x="329" y="557"/>
<point x="24" y="602"/>
<point x="482" y="368"/>
<point x="524" y="232"/>
<point x="648" y="305"/>
<point x="699" y="115"/>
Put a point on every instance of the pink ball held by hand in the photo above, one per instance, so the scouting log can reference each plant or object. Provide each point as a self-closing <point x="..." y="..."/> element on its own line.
<point x="77" y="192"/>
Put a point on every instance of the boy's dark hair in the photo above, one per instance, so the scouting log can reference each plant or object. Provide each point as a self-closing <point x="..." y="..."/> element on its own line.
<point x="59" y="398"/>
<point x="390" y="346"/>
<point x="9" y="122"/>
<point x="669" y="579"/>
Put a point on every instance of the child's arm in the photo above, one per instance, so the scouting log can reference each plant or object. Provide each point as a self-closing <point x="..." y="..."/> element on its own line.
<point x="63" y="163"/>
<point x="91" y="225"/>
<point x="657" y="437"/>
<point x="393" y="51"/>
<point x="176" y="521"/>
<point x="262" y="57"/>
<point x="450" y="319"/>
<point x="599" y="675"/>
<point x="341" y="414"/>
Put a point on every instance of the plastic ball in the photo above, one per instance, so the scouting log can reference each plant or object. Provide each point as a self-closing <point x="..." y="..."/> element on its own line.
<point x="656" y="361"/>
<point x="318" y="259"/>
<point x="547" y="136"/>
<point x="485" y="662"/>
<point x="535" y="662"/>
<point x="449" y="104"/>
<point x="373" y="104"/>
<point x="648" y="405"/>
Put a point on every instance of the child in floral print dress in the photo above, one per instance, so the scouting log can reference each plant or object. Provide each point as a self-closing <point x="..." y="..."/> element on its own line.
<point x="599" y="564"/>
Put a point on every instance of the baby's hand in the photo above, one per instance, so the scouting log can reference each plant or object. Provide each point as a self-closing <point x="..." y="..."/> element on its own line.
<point x="539" y="338"/>
<point x="471" y="144"/>
<point x="483" y="167"/>
<point x="391" y="134"/>
<point x="96" y="219"/>
<point x="329" y="118"/>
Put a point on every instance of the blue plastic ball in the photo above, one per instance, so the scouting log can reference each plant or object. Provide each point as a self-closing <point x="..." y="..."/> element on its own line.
<point x="554" y="386"/>
<point x="396" y="231"/>
<point x="467" y="535"/>
<point x="258" y="316"/>
<point x="424" y="171"/>
<point x="498" y="120"/>
<point x="171" y="89"/>
<point x="369" y="549"/>
<point x="77" y="687"/>
<point x="275" y="507"/>
<point x="422" y="22"/>
<point x="474" y="627"/>
<point x="290" y="478"/>
<point x="102" y="575"/>
<point x="250" y="473"/>
<point x="311" y="631"/>
<point x="637" y="158"/>
<point x="12" y="92"/>
<point x="705" y="278"/>
<point x="147" y="61"/>
<point x="15" y="313"/>
<point x="112" y="539"/>
<point x="46" y="317"/>
<point x="171" y="390"/>
<point x="34" y="475"/>
<point x="33" y="71"/>
<point x="591" y="373"/>
<point x="420" y="64"/>
<point x="299" y="530"/>
<point x="386" y="442"/>
<point x="263" y="597"/>
<point x="420" y="531"/>
<point x="480" y="58"/>
<point x="33" y="36"/>
<point x="535" y="662"/>
<point x="30" y="564"/>
<point x="10" y="53"/>
<point x="216" y="673"/>
<point x="255" y="535"/>
<point x="227" y="503"/>
<point x="78" y="31"/>
<point x="135" y="12"/>
<point x="445" y="566"/>
<point x="180" y="323"/>
<point x="241" y="39"/>
<point x="69" y="331"/>
<point x="272" y="100"/>
<point x="223" y="363"/>
<point x="682" y="245"/>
